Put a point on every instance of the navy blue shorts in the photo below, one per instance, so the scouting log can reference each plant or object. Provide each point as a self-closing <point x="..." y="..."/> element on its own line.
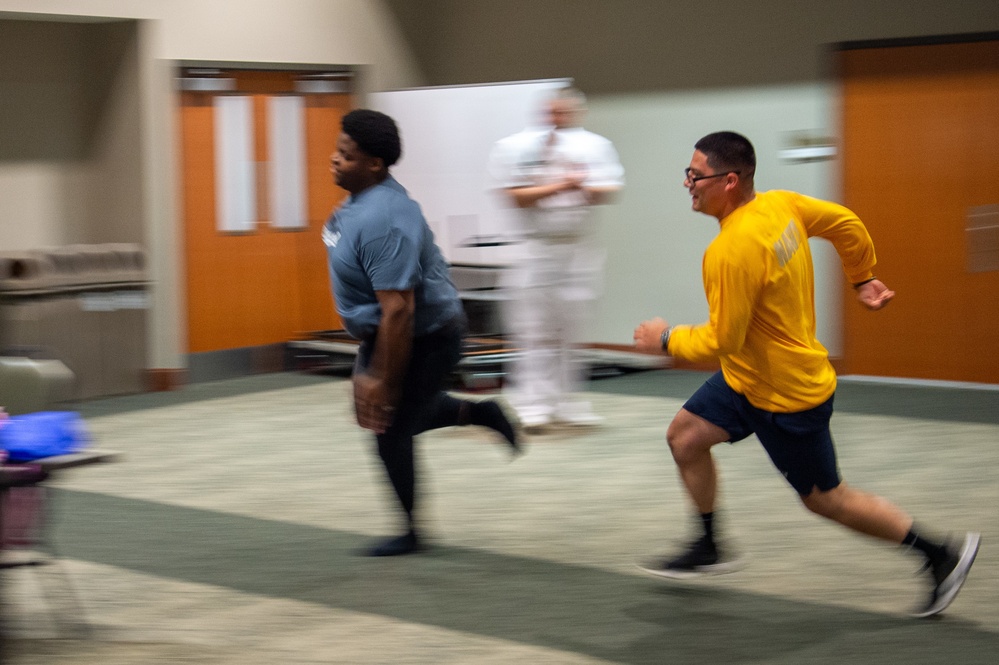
<point x="799" y="444"/>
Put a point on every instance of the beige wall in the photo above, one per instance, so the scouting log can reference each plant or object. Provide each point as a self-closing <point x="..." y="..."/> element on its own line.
<point x="656" y="72"/>
<point x="44" y="129"/>
<point x="627" y="46"/>
<point x="87" y="142"/>
<point x="654" y="241"/>
<point x="110" y="193"/>
<point x="69" y="134"/>
<point x="659" y="75"/>
<point x="332" y="32"/>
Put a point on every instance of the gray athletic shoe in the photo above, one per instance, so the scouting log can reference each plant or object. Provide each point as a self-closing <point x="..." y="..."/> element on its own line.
<point x="949" y="576"/>
<point x="700" y="559"/>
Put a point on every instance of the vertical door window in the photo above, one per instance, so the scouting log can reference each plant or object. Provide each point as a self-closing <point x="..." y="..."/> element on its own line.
<point x="235" y="171"/>
<point x="286" y="132"/>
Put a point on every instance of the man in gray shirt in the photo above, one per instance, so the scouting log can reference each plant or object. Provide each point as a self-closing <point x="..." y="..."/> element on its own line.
<point x="393" y="291"/>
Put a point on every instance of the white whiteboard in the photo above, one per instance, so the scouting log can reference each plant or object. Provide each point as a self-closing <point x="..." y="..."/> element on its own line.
<point x="447" y="135"/>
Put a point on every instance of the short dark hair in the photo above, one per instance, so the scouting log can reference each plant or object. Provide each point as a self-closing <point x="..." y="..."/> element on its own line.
<point x="374" y="133"/>
<point x="571" y="93"/>
<point x="729" y="151"/>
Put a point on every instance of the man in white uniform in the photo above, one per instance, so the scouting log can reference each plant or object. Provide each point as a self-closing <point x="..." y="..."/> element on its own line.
<point x="553" y="177"/>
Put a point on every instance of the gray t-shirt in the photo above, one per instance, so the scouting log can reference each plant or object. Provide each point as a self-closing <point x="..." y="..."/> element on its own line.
<point x="378" y="240"/>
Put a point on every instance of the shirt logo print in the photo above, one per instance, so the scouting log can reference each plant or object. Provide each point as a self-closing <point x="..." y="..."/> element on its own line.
<point x="330" y="237"/>
<point x="788" y="243"/>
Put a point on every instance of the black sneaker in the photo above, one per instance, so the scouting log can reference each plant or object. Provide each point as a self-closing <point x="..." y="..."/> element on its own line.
<point x="701" y="558"/>
<point x="398" y="546"/>
<point x="492" y="414"/>
<point x="949" y="575"/>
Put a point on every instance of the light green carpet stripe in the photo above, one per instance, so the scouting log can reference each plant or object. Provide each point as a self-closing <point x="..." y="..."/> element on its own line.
<point x="620" y="618"/>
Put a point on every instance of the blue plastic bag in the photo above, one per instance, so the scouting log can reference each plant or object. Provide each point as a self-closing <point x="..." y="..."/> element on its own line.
<point x="31" y="436"/>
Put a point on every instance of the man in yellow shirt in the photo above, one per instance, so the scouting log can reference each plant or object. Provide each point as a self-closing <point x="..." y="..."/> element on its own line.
<point x="775" y="380"/>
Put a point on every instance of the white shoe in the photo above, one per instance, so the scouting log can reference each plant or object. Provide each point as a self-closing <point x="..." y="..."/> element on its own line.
<point x="578" y="415"/>
<point x="584" y="420"/>
<point x="534" y="422"/>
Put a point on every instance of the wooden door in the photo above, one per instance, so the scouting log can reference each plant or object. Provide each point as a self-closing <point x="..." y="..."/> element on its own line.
<point x="920" y="153"/>
<point x="266" y="285"/>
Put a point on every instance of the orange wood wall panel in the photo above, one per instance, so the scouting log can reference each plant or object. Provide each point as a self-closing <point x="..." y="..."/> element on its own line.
<point x="920" y="147"/>
<point x="981" y="307"/>
<point x="322" y="126"/>
<point x="269" y="285"/>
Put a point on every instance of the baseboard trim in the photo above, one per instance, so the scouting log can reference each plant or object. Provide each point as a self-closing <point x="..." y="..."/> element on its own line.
<point x="164" y="379"/>
<point x="235" y="363"/>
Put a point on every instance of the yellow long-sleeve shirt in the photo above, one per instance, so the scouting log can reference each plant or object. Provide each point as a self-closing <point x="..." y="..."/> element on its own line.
<point x="761" y="299"/>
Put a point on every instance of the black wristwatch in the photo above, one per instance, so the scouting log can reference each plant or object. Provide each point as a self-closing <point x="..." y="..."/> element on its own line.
<point x="664" y="338"/>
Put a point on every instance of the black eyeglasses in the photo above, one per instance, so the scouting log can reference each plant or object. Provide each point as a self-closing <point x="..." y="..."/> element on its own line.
<point x="688" y="174"/>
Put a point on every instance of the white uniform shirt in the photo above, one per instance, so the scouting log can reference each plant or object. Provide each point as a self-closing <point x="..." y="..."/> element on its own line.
<point x="530" y="158"/>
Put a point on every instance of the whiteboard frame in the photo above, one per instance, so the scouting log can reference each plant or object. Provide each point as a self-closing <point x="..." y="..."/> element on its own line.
<point x="448" y="133"/>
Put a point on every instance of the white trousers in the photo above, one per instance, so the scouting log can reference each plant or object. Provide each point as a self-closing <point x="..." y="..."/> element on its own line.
<point x="553" y="290"/>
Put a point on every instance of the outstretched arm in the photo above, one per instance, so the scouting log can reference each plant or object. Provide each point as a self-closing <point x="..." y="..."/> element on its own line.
<point x="651" y="337"/>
